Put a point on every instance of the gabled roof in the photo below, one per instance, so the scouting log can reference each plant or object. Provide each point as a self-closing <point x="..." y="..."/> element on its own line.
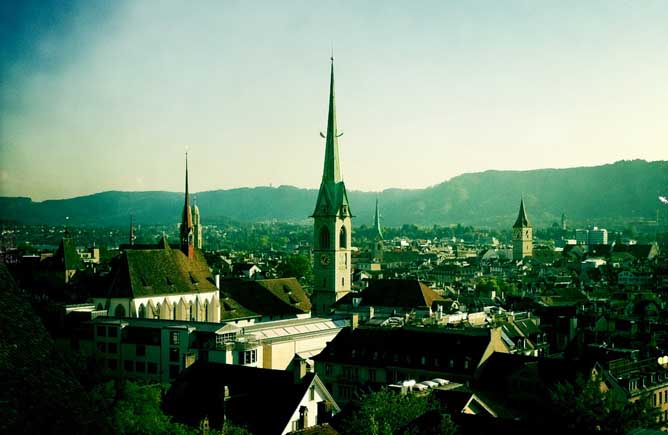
<point x="268" y="297"/>
<point x="405" y="293"/>
<point x="264" y="400"/>
<point x="159" y="271"/>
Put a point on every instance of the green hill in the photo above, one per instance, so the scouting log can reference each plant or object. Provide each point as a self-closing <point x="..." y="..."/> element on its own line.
<point x="620" y="191"/>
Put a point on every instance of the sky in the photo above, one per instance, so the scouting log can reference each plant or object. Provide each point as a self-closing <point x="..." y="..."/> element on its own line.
<point x="98" y="95"/>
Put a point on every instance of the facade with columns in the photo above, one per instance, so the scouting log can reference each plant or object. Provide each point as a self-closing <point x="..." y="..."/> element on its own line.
<point x="332" y="226"/>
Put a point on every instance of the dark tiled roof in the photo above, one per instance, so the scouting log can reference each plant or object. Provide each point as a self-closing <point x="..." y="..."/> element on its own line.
<point x="406" y="293"/>
<point x="522" y="219"/>
<point x="268" y="297"/>
<point x="419" y="348"/>
<point x="159" y="271"/>
<point x="261" y="399"/>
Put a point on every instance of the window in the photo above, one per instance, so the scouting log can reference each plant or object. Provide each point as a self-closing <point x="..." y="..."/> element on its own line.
<point x="119" y="311"/>
<point x="248" y="357"/>
<point x="112" y="364"/>
<point x="173" y="355"/>
<point x="152" y="368"/>
<point x="343" y="281"/>
<point x="101" y="347"/>
<point x="140" y="366"/>
<point x="173" y="371"/>
<point x="141" y="350"/>
<point x="225" y="338"/>
<point x="112" y="348"/>
<point x="324" y="238"/>
<point x="128" y="365"/>
<point x="142" y="311"/>
<point x="174" y="338"/>
<point x="372" y="375"/>
<point x="311" y="393"/>
<point x="112" y="331"/>
<point x="351" y="373"/>
<point x="343" y="238"/>
<point x="345" y="392"/>
<point x="101" y="331"/>
<point x="174" y="312"/>
<point x="466" y="364"/>
<point x="451" y="363"/>
<point x="192" y="313"/>
<point x="328" y="369"/>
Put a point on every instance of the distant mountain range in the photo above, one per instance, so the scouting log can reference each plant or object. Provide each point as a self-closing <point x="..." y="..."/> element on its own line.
<point x="619" y="191"/>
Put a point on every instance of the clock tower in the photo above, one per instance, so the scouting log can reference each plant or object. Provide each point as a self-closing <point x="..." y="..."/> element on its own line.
<point x="332" y="224"/>
<point x="522" y="235"/>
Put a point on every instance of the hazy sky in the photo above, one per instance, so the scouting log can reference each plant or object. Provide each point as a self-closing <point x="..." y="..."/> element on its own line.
<point x="106" y="95"/>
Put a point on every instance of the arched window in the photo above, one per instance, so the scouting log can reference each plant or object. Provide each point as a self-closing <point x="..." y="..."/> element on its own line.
<point x="192" y="312"/>
<point x="119" y="311"/>
<point x="174" y="311"/>
<point x="142" y="311"/>
<point x="156" y="312"/>
<point x="324" y="238"/>
<point x="343" y="238"/>
<point x="206" y="311"/>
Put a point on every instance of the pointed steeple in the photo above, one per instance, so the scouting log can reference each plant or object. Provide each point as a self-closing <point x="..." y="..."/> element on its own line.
<point x="332" y="197"/>
<point x="132" y="230"/>
<point x="522" y="220"/>
<point x="332" y="170"/>
<point x="187" y="239"/>
<point x="376" y="223"/>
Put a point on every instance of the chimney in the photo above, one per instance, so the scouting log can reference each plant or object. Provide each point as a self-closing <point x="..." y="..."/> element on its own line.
<point x="299" y="368"/>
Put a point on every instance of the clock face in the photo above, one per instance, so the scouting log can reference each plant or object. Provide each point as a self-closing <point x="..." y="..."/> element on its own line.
<point x="324" y="259"/>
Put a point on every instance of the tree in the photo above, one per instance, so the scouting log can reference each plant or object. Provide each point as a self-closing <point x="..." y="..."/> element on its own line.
<point x="135" y="409"/>
<point x="387" y="412"/>
<point x="584" y="407"/>
<point x="298" y="266"/>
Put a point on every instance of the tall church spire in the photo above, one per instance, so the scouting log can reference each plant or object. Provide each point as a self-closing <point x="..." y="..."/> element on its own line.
<point x="187" y="238"/>
<point x="332" y="170"/>
<point x="376" y="223"/>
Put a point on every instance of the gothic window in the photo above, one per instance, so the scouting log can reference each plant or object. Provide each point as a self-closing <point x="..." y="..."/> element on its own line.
<point x="120" y="311"/>
<point x="343" y="238"/>
<point x="142" y="311"/>
<point x="174" y="312"/>
<point x="324" y="238"/>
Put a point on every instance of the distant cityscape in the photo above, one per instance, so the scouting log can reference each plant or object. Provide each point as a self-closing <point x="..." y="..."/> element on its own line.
<point x="275" y="328"/>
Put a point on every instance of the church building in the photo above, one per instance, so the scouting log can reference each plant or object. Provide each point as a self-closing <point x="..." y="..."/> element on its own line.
<point x="162" y="281"/>
<point x="332" y="225"/>
<point x="522" y="235"/>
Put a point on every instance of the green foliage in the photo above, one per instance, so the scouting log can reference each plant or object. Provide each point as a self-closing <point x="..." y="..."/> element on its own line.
<point x="583" y="407"/>
<point x="298" y="266"/>
<point x="135" y="409"/>
<point x="385" y="412"/>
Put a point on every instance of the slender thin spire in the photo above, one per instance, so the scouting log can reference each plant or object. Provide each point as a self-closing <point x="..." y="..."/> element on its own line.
<point x="187" y="242"/>
<point x="332" y="171"/>
<point x="376" y="222"/>
<point x="132" y="230"/>
<point x="522" y="219"/>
